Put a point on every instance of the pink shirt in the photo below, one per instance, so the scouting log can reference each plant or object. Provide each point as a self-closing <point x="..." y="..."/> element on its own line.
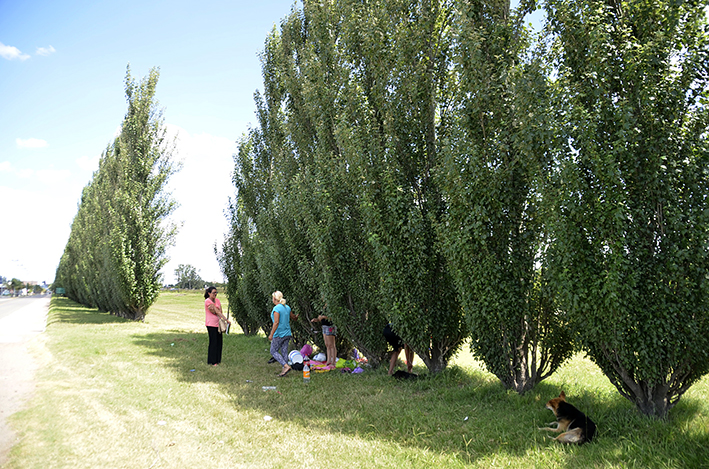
<point x="211" y="319"/>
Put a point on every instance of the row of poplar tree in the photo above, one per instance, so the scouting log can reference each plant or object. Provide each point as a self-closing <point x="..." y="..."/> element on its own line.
<point x="120" y="234"/>
<point x="437" y="165"/>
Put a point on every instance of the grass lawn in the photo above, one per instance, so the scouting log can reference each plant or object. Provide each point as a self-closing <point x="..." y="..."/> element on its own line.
<point x="117" y="394"/>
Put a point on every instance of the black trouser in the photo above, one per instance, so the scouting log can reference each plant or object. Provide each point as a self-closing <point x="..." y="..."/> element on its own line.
<point x="214" y="353"/>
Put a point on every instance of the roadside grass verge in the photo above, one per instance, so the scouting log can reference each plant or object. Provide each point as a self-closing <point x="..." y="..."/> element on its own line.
<point x="112" y="393"/>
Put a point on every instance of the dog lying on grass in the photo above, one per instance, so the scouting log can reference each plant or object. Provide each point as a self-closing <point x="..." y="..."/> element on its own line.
<point x="401" y="374"/>
<point x="576" y="426"/>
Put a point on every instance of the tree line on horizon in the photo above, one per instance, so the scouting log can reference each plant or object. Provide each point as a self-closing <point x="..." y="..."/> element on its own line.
<point x="15" y="284"/>
<point x="435" y="165"/>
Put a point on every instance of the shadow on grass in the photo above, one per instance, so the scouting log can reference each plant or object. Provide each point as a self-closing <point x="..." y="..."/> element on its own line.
<point x="458" y="412"/>
<point x="64" y="310"/>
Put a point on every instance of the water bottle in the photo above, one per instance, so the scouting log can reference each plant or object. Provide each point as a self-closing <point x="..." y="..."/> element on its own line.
<point x="306" y="373"/>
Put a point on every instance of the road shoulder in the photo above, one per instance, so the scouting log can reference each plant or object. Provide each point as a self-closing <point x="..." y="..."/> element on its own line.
<point x="18" y="365"/>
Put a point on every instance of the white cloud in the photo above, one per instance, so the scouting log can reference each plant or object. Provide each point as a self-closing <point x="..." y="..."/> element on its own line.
<point x="47" y="177"/>
<point x="88" y="163"/>
<point x="45" y="51"/>
<point x="10" y="53"/>
<point x="33" y="247"/>
<point x="202" y="189"/>
<point x="31" y="143"/>
<point x="52" y="176"/>
<point x="24" y="173"/>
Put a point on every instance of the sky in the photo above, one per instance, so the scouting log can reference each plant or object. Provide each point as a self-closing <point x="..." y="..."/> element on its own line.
<point x="62" y="101"/>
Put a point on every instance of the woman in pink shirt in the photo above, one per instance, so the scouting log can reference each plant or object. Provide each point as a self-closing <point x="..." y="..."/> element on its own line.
<point x="213" y="312"/>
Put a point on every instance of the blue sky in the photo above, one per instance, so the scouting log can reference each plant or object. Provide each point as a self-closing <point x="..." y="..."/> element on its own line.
<point x="62" y="67"/>
<point x="62" y="70"/>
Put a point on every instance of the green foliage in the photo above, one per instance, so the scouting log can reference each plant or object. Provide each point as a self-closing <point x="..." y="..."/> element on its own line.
<point x="336" y="185"/>
<point x="236" y="257"/>
<point x="188" y="277"/>
<point x="493" y="173"/>
<point x="324" y="198"/>
<point x="630" y="190"/>
<point x="426" y="163"/>
<point x="395" y="115"/>
<point x="277" y="234"/>
<point x="119" y="237"/>
<point x="15" y="284"/>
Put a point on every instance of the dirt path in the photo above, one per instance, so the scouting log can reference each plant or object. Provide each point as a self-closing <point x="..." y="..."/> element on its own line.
<point x="17" y="365"/>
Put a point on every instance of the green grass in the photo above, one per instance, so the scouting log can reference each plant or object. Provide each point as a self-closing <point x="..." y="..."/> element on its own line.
<point x="118" y="394"/>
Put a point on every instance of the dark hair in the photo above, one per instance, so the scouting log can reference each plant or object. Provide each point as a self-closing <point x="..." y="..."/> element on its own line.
<point x="208" y="291"/>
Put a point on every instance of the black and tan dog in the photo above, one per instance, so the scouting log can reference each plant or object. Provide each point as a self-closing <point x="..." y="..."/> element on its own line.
<point x="576" y="426"/>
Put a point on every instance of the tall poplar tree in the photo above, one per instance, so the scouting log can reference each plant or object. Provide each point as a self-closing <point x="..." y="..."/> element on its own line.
<point x="119" y="237"/>
<point x="493" y="175"/>
<point x="347" y="144"/>
<point x="396" y="102"/>
<point x="632" y="88"/>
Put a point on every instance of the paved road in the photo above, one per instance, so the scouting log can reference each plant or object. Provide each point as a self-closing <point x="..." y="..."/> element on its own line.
<point x="9" y="305"/>
<point x="21" y="320"/>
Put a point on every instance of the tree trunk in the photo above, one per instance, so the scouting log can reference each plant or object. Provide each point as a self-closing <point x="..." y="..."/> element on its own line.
<point x="654" y="401"/>
<point x="519" y="378"/>
<point x="436" y="359"/>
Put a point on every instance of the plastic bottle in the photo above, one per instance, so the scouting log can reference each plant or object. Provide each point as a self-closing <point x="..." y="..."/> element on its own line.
<point x="306" y="373"/>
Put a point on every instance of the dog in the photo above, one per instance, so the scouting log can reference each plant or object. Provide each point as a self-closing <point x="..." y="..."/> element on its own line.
<point x="576" y="426"/>
<point x="401" y="374"/>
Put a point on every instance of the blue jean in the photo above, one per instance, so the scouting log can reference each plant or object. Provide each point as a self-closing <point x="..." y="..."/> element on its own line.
<point x="279" y="349"/>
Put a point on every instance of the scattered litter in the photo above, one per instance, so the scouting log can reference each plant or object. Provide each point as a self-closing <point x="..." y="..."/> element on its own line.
<point x="162" y="422"/>
<point x="269" y="388"/>
<point x="465" y="419"/>
<point x="267" y="418"/>
<point x="172" y="344"/>
<point x="192" y="369"/>
<point x="295" y="357"/>
<point x="306" y="351"/>
<point x="249" y="381"/>
<point x="341" y="363"/>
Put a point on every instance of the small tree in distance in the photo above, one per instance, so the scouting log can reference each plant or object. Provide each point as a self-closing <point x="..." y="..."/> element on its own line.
<point x="188" y="277"/>
<point x="15" y="284"/>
